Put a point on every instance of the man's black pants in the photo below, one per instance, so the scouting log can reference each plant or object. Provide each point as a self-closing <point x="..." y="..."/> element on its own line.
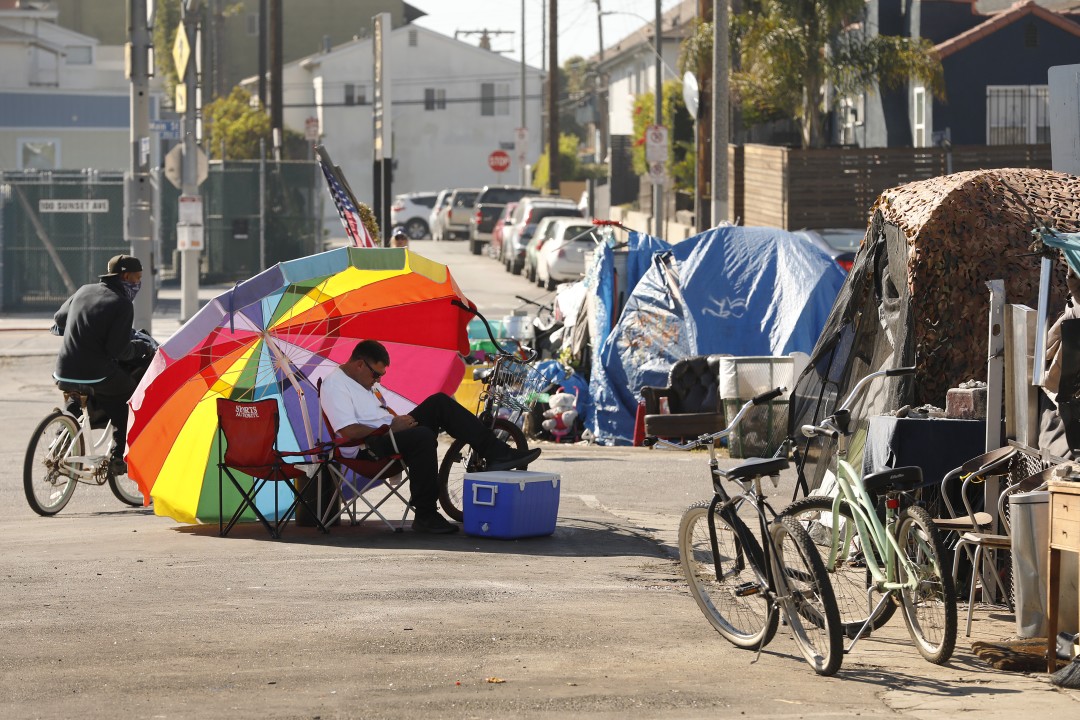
<point x="419" y="445"/>
<point x="111" y="396"/>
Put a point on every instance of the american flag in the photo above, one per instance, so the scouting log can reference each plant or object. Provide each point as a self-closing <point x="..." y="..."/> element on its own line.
<point x="344" y="201"/>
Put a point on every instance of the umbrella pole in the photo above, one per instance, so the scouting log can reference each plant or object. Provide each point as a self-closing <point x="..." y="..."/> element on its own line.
<point x="284" y="363"/>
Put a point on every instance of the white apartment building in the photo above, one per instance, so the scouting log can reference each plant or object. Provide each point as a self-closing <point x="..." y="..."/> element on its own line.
<point x="452" y="105"/>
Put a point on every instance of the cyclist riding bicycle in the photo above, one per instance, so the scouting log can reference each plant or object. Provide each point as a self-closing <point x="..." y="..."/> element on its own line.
<point x="99" y="348"/>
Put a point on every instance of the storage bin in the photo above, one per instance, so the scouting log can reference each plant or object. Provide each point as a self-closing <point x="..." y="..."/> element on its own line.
<point x="510" y="504"/>
<point x="1029" y="520"/>
<point x="764" y="427"/>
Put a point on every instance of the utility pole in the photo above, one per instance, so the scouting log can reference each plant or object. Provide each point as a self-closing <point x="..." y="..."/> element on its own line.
<point x="189" y="228"/>
<point x="601" y="92"/>
<point x="720" y="113"/>
<point x="553" y="97"/>
<point x="703" y="129"/>
<point x="276" y="38"/>
<point x="658" y="188"/>
<point x="263" y="41"/>
<point x="137" y="185"/>
<point x="523" y="132"/>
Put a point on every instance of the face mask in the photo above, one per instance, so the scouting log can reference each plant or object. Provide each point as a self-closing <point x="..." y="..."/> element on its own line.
<point x="131" y="289"/>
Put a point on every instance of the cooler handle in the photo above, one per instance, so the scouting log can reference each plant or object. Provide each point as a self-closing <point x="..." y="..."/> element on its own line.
<point x="490" y="502"/>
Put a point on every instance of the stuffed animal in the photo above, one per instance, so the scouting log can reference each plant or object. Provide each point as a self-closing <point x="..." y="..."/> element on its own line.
<point x="561" y="413"/>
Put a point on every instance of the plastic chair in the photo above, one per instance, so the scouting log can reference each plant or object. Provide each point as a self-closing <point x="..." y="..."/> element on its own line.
<point x="987" y="544"/>
<point x="354" y="478"/>
<point x="248" y="433"/>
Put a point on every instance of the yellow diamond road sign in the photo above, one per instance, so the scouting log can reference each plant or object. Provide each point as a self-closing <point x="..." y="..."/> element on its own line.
<point x="181" y="51"/>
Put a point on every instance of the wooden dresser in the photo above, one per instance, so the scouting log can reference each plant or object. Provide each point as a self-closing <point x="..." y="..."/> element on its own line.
<point x="1064" y="536"/>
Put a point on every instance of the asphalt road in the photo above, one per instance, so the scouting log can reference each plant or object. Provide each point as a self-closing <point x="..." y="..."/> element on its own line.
<point x="112" y="612"/>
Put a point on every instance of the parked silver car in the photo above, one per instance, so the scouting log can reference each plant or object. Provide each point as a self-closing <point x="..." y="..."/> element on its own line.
<point x="459" y="212"/>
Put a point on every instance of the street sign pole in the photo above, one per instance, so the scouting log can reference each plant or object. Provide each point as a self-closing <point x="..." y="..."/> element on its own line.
<point x="189" y="229"/>
<point x="137" y="193"/>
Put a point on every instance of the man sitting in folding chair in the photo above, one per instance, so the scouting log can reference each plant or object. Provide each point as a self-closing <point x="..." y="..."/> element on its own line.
<point x="355" y="411"/>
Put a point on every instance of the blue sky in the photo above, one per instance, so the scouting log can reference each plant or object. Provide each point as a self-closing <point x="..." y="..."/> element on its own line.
<point x="578" y="33"/>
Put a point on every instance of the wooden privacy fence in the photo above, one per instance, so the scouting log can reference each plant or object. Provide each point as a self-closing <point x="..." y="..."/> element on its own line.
<point x="835" y="187"/>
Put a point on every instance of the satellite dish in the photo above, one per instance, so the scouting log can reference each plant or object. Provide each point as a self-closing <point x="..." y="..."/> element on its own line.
<point x="690" y="94"/>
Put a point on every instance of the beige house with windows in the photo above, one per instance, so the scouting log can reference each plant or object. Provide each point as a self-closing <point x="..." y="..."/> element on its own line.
<point x="64" y="100"/>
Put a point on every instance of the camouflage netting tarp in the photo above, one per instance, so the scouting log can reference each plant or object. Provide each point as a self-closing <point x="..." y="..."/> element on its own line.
<point x="918" y="296"/>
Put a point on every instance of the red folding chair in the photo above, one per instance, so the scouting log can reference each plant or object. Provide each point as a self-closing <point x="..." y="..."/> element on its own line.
<point x="360" y="480"/>
<point x="247" y="432"/>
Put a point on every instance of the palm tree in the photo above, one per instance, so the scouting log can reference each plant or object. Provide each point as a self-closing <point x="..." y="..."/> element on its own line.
<point x="789" y="50"/>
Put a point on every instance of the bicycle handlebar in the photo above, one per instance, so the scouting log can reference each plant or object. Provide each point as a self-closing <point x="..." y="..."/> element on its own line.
<point x="530" y="353"/>
<point x="836" y="424"/>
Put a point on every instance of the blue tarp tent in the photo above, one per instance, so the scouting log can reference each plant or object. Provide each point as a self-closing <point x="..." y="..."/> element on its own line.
<point x="734" y="290"/>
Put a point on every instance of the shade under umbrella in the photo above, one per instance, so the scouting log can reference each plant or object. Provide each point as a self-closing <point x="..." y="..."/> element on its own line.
<point x="275" y="336"/>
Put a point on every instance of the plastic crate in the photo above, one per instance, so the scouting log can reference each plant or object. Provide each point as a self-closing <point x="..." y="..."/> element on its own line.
<point x="764" y="427"/>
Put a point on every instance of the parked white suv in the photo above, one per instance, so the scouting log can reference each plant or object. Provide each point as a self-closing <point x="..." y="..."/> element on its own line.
<point x="412" y="210"/>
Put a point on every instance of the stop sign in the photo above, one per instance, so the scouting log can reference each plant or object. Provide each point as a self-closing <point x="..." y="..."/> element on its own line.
<point x="498" y="161"/>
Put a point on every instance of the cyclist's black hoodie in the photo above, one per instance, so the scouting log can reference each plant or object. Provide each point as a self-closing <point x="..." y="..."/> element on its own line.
<point x="96" y="324"/>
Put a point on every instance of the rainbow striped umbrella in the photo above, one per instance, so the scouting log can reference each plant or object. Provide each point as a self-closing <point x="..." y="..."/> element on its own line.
<point x="275" y="336"/>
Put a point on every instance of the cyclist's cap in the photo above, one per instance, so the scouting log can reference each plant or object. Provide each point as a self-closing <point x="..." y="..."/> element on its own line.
<point x="121" y="264"/>
<point x="399" y="230"/>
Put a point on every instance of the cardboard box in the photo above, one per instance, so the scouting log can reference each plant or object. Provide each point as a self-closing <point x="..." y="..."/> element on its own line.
<point x="510" y="504"/>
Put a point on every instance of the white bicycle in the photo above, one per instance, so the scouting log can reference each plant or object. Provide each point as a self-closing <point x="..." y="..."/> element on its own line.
<point x="66" y="450"/>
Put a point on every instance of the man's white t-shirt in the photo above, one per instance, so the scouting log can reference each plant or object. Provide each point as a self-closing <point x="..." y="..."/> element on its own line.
<point x="346" y="402"/>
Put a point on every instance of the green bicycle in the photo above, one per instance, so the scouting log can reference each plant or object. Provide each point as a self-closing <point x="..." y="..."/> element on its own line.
<point x="899" y="555"/>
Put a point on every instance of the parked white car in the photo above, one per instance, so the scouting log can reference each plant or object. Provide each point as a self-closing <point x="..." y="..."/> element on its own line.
<point x="411" y="211"/>
<point x="529" y="212"/>
<point x="562" y="257"/>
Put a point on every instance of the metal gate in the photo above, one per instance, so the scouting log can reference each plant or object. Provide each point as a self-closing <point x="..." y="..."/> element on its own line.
<point x="58" y="230"/>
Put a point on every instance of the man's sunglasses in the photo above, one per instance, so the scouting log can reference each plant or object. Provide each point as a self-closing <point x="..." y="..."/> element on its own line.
<point x="374" y="372"/>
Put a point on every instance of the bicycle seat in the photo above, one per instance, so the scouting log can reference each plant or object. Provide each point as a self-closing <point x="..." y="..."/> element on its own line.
<point x="75" y="388"/>
<point x="482" y="374"/>
<point x="755" y="467"/>
<point x="899" y="479"/>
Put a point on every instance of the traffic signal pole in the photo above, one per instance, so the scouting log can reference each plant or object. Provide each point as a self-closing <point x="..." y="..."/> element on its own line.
<point x="137" y="191"/>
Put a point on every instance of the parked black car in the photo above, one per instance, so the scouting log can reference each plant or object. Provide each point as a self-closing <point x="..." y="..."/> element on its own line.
<point x="489" y="206"/>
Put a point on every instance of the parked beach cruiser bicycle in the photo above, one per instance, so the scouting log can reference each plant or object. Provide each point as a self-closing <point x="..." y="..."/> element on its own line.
<point x="897" y="554"/>
<point x="742" y="583"/>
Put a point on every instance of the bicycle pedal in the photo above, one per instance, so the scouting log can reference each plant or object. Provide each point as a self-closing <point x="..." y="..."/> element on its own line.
<point x="747" y="589"/>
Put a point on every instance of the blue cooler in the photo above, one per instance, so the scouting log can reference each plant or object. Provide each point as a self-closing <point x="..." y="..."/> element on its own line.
<point x="510" y="504"/>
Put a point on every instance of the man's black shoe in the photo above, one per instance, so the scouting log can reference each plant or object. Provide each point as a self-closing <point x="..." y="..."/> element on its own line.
<point x="516" y="459"/>
<point x="433" y="523"/>
<point x="117" y="466"/>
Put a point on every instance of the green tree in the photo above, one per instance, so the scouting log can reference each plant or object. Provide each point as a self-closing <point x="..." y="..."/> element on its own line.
<point x="166" y="22"/>
<point x="569" y="165"/>
<point x="790" y="49"/>
<point x="232" y="123"/>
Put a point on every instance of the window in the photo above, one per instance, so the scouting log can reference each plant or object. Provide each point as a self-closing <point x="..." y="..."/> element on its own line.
<point x="1017" y="114"/>
<point x="494" y="99"/>
<point x="355" y="94"/>
<point x="78" y="55"/>
<point x="434" y="99"/>
<point x="852" y="115"/>
<point x="413" y="37"/>
<point x="39" y="154"/>
<point x="253" y="23"/>
<point x="918" y="119"/>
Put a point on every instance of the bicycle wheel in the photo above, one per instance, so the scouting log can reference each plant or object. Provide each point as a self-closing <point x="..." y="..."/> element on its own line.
<point x="806" y="596"/>
<point x="460" y="459"/>
<point x="849" y="575"/>
<point x="929" y="609"/>
<point x="126" y="490"/>
<point x="47" y="482"/>
<point x="735" y="601"/>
